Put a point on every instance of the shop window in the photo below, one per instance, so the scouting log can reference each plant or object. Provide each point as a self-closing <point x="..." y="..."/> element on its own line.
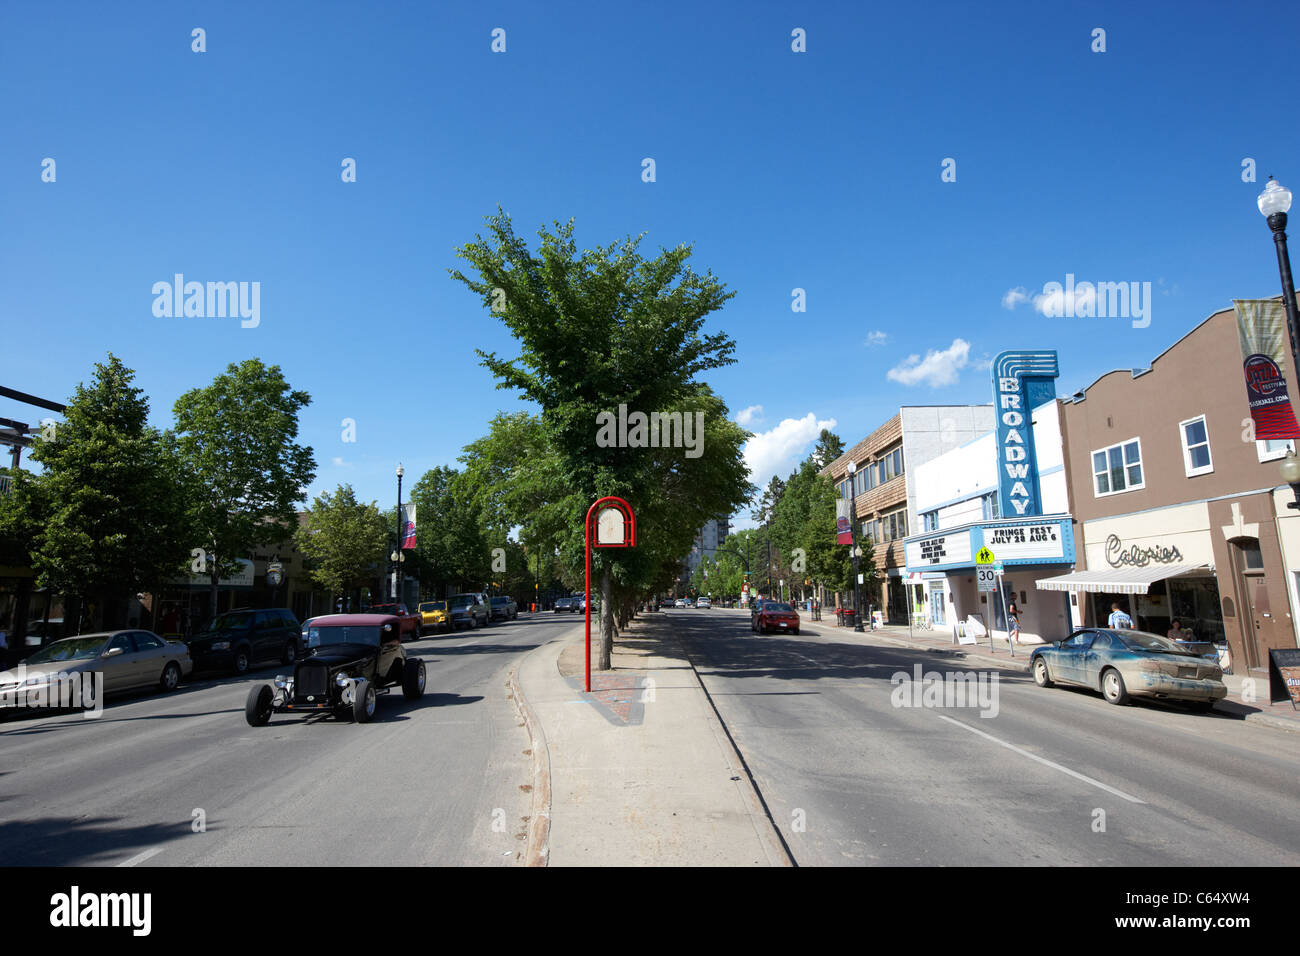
<point x="1117" y="469"/>
<point x="1196" y="447"/>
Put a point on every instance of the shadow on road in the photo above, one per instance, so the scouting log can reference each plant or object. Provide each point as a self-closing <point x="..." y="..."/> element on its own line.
<point x="81" y="841"/>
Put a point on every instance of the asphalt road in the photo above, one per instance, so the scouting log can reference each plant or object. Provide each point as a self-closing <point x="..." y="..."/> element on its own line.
<point x="436" y="781"/>
<point x="852" y="779"/>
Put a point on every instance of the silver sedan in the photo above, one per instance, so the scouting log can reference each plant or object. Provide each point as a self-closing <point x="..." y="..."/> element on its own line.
<point x="128" y="660"/>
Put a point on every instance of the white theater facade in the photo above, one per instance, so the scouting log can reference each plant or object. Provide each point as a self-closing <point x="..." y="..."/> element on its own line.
<point x="963" y="507"/>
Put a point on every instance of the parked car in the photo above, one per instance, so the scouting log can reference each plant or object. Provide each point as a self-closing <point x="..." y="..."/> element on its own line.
<point x="775" y="616"/>
<point x="410" y="622"/>
<point x="469" y="609"/>
<point x="681" y="602"/>
<point x="1123" y="664"/>
<point x="350" y="660"/>
<point x="434" y="616"/>
<point x="567" y="604"/>
<point x="39" y="631"/>
<point x="504" y="608"/>
<point x="128" y="660"/>
<point x="234" y="641"/>
<point x="704" y="603"/>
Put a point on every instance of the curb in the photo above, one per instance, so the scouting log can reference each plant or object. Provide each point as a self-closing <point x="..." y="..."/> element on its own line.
<point x="957" y="652"/>
<point x="538" y="850"/>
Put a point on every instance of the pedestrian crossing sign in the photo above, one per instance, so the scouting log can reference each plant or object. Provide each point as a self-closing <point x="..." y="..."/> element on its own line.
<point x="985" y="556"/>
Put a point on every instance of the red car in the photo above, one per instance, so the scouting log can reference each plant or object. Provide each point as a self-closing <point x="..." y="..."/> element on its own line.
<point x="410" y="623"/>
<point x="775" y="616"/>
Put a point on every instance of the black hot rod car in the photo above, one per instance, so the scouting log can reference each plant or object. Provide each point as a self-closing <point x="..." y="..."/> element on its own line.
<point x="350" y="659"/>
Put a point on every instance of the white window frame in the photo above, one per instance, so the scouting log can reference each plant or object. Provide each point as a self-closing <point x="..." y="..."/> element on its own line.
<point x="1191" y="470"/>
<point x="1106" y="450"/>
<point x="1261" y="449"/>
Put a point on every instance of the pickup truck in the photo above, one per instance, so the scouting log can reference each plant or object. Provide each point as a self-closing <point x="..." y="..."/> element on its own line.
<point x="410" y="623"/>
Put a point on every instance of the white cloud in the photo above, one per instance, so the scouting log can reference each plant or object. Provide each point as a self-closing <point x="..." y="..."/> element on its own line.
<point x="936" y="369"/>
<point x="340" y="463"/>
<point x="1014" y="297"/>
<point x="780" y="450"/>
<point x="876" y="338"/>
<point x="749" y="416"/>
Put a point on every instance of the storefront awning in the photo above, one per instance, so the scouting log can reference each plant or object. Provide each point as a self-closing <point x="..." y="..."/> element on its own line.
<point x="1116" y="580"/>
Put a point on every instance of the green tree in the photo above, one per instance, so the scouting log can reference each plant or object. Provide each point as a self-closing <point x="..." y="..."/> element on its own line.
<point x="600" y="329"/>
<point x="345" y="540"/>
<point x="244" y="471"/>
<point x="452" y="550"/>
<point x="104" y="518"/>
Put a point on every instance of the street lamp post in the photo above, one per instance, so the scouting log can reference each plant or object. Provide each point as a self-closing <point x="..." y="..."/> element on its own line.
<point x="1274" y="203"/>
<point x="397" y="598"/>
<point x="857" y="552"/>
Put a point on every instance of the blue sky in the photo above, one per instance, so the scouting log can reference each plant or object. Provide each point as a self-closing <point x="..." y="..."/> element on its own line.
<point x="817" y="170"/>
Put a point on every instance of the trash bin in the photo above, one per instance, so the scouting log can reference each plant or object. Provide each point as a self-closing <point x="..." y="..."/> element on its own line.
<point x="845" y="616"/>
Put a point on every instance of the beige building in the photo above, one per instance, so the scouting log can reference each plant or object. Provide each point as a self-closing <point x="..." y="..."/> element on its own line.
<point x="884" y="491"/>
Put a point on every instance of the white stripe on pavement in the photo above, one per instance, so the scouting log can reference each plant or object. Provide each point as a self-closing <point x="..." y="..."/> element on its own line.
<point x="141" y="857"/>
<point x="1043" y="760"/>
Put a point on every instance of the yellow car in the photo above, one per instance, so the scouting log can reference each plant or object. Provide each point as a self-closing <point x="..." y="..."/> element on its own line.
<point x="433" y="616"/>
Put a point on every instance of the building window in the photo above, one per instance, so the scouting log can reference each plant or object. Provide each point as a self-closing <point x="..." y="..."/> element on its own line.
<point x="1274" y="449"/>
<point x="1117" y="469"/>
<point x="990" y="505"/>
<point x="930" y="521"/>
<point x="1196" y="447"/>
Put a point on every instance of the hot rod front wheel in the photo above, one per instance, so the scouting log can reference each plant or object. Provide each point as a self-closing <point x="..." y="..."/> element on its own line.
<point x="363" y="704"/>
<point x="257" y="709"/>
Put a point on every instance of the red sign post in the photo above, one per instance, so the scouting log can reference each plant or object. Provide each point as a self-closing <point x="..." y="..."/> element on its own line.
<point x="615" y="528"/>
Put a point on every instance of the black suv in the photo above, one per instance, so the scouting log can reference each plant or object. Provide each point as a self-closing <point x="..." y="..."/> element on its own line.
<point x="350" y="660"/>
<point x="239" y="638"/>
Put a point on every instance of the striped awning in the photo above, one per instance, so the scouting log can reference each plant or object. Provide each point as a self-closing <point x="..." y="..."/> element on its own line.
<point x="1116" y="580"/>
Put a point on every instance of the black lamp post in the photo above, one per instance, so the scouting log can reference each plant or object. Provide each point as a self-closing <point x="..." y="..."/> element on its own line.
<point x="1274" y="203"/>
<point x="853" y="520"/>
<point x="401" y="530"/>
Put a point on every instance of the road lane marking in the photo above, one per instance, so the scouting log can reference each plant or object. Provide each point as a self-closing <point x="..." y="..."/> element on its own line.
<point x="1043" y="760"/>
<point x="141" y="857"/>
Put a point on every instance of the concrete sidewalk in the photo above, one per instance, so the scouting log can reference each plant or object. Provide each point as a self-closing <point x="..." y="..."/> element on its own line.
<point x="641" y="771"/>
<point x="1247" y="693"/>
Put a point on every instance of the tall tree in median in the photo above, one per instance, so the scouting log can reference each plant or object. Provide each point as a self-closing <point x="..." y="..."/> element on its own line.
<point x="597" y="330"/>
<point x="244" y="471"/>
<point x="104" y="519"/>
<point x="345" y="539"/>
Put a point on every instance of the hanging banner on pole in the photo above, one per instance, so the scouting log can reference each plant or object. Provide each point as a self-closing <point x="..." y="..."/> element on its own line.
<point x="408" y="527"/>
<point x="843" y="521"/>
<point x="1262" y="332"/>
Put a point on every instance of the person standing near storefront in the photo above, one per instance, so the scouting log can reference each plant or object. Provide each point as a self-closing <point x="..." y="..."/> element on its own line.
<point x="1118" y="618"/>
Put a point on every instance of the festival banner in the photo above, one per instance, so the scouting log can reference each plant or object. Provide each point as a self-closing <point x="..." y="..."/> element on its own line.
<point x="1261" y="329"/>
<point x="843" y="521"/>
<point x="408" y="527"/>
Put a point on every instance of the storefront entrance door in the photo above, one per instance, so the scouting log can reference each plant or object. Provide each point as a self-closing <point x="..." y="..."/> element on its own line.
<point x="1253" y="618"/>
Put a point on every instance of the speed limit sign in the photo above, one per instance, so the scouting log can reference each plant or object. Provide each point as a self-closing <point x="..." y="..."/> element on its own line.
<point x="987" y="579"/>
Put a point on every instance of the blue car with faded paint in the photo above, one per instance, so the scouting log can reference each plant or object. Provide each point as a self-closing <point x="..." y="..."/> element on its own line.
<point x="1123" y="664"/>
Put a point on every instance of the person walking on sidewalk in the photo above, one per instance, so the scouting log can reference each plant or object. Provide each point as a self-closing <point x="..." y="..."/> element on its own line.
<point x="1013" y="622"/>
<point x="1118" y="619"/>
